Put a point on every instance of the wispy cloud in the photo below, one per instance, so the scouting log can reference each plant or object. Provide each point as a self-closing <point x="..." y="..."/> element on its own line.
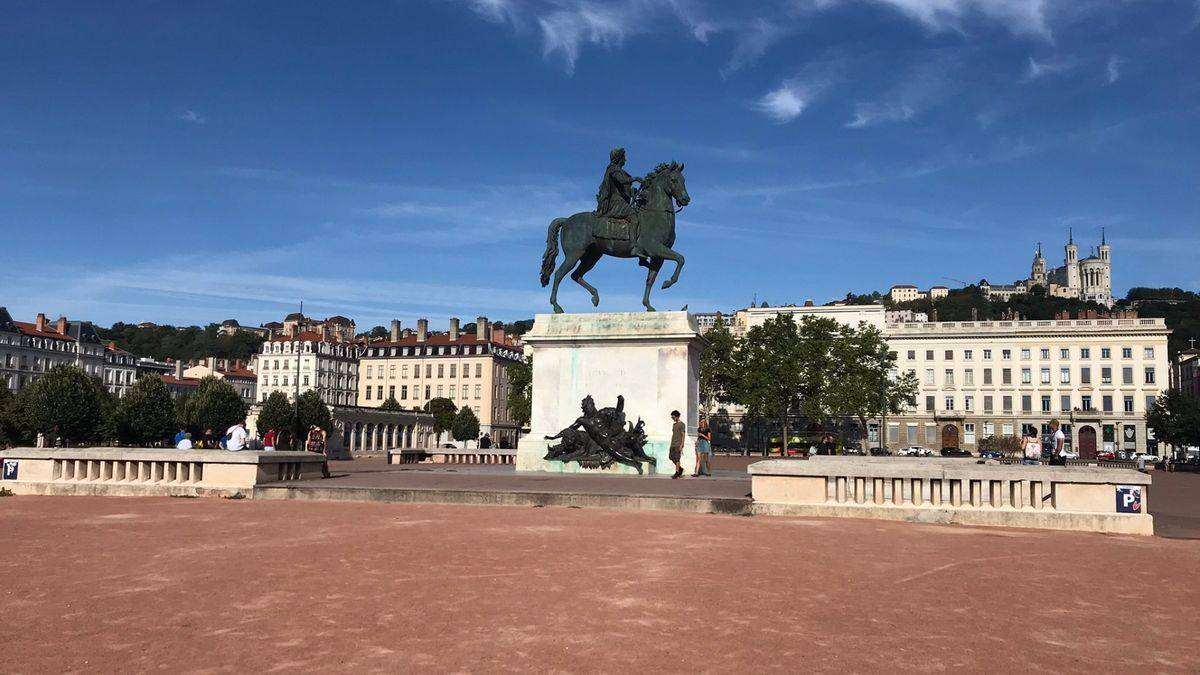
<point x="870" y="114"/>
<point x="564" y="31"/>
<point x="1112" y="70"/>
<point x="784" y="103"/>
<point x="1021" y="17"/>
<point x="192" y="116"/>
<point x="1036" y="70"/>
<point x="752" y="41"/>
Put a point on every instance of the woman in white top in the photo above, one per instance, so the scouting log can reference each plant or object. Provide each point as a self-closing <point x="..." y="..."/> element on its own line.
<point x="1031" y="447"/>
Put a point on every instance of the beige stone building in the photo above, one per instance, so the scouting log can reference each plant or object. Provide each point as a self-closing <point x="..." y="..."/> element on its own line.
<point x="27" y="350"/>
<point x="292" y="364"/>
<point x="470" y="369"/>
<point x="241" y="376"/>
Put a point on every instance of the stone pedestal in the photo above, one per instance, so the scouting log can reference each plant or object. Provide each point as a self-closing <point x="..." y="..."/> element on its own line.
<point x="650" y="358"/>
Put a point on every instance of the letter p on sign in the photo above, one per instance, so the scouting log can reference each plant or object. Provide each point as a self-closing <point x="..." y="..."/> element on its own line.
<point x="1129" y="499"/>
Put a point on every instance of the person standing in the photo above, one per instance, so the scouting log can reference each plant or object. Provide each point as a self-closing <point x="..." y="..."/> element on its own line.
<point x="485" y="442"/>
<point x="316" y="443"/>
<point x="269" y="441"/>
<point x="235" y="437"/>
<point x="827" y="446"/>
<point x="703" y="450"/>
<point x="1058" y="443"/>
<point x="678" y="431"/>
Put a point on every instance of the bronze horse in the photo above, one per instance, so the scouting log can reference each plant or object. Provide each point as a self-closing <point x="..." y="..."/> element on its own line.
<point x="586" y="238"/>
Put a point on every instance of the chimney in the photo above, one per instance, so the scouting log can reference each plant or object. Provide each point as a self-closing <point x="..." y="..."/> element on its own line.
<point x="407" y="332"/>
<point x="808" y="303"/>
<point x="498" y="335"/>
<point x="179" y="370"/>
<point x="41" y="321"/>
<point x="395" y="333"/>
<point x="61" y="326"/>
<point x="422" y="329"/>
<point x="454" y="329"/>
<point x="481" y="328"/>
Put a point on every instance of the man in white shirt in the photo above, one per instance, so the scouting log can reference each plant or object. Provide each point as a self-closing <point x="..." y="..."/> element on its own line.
<point x="236" y="438"/>
<point x="184" y="443"/>
<point x="1060" y="441"/>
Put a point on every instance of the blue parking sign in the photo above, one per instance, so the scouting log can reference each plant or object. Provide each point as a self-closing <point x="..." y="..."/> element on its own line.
<point x="10" y="469"/>
<point x="1129" y="499"/>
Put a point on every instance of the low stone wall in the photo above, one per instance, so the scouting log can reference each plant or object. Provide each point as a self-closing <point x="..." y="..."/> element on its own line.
<point x="955" y="491"/>
<point x="451" y="456"/>
<point x="148" y="471"/>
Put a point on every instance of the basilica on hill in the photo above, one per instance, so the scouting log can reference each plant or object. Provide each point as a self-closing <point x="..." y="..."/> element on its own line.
<point x="1087" y="279"/>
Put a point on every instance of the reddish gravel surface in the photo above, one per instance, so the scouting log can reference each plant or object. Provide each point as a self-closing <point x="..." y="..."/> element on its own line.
<point x="119" y="584"/>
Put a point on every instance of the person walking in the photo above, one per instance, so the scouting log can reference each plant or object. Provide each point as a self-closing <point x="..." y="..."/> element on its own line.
<point x="1031" y="447"/>
<point x="316" y="443"/>
<point x="678" y="431"/>
<point x="235" y="437"/>
<point x="703" y="450"/>
<point x="268" y="441"/>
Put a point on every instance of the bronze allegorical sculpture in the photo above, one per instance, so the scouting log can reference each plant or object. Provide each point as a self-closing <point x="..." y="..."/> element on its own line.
<point x="600" y="438"/>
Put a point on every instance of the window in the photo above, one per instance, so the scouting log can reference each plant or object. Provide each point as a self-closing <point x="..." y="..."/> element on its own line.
<point x="893" y="433"/>
<point x="912" y="434"/>
<point x="969" y="377"/>
<point x="989" y="429"/>
<point x="1106" y="375"/>
<point x="1045" y="352"/>
<point x="1006" y="376"/>
<point x="1045" y="375"/>
<point x="1007" y="401"/>
<point x="368" y="393"/>
<point x="967" y="354"/>
<point x="949" y="377"/>
<point x="404" y="371"/>
<point x="1006" y="354"/>
<point x="929" y="376"/>
<point x="1026" y="403"/>
<point x="306" y="380"/>
<point x="1008" y="428"/>
<point x="1024" y="354"/>
<point x="1085" y="353"/>
<point x="404" y="392"/>
<point x="1105" y="353"/>
<point x="1086" y="402"/>
<point x="478" y="370"/>
<point x="949" y="354"/>
<point x="1026" y="376"/>
<point x="969" y="403"/>
<point x="1106" y="403"/>
<point x="1127" y="375"/>
<point x="987" y="405"/>
<point x="1150" y="375"/>
<point x="987" y="354"/>
<point x="987" y="375"/>
<point x="478" y="391"/>
<point x="931" y="435"/>
<point x="392" y="392"/>
<point x="392" y="370"/>
<point x="453" y="370"/>
<point x="929" y="403"/>
<point x="1045" y="404"/>
<point x="428" y="370"/>
<point x="1127" y="352"/>
<point x="1148" y="353"/>
<point x="453" y="392"/>
<point x="427" y="391"/>
<point x="1151" y="401"/>
<point x="441" y="370"/>
<point x="1064" y="375"/>
<point x="928" y="354"/>
<point x="370" y="369"/>
<point x="1085" y="375"/>
<point x="1064" y="353"/>
<point x="912" y="355"/>
<point x="379" y="392"/>
<point x="1065" y="403"/>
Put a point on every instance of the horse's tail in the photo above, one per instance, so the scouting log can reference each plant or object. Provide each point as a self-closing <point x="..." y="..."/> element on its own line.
<point x="551" y="249"/>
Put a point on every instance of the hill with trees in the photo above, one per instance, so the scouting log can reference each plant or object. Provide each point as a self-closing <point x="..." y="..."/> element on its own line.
<point x="183" y="343"/>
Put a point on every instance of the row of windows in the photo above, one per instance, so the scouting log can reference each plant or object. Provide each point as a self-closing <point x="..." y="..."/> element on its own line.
<point x="416" y="392"/>
<point x="337" y="366"/>
<point x="444" y="350"/>
<point x="1027" y="353"/>
<point x="1086" y="403"/>
<point x="341" y="382"/>
<point x="1045" y="376"/>
<point x="346" y="351"/>
<point x="374" y="372"/>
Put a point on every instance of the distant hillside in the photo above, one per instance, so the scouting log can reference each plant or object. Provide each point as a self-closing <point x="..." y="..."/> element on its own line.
<point x="181" y="343"/>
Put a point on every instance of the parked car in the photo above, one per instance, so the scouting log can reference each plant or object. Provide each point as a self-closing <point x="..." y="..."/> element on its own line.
<point x="880" y="452"/>
<point x="853" y="450"/>
<point x="915" y="451"/>
<point x="955" y="452"/>
<point x="1070" y="454"/>
<point x="1148" y="457"/>
<point x="991" y="454"/>
<point x="1106" y="454"/>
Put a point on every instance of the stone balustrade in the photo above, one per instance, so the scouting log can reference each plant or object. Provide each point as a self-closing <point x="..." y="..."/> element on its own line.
<point x="941" y="490"/>
<point x="149" y="471"/>
<point x="451" y="456"/>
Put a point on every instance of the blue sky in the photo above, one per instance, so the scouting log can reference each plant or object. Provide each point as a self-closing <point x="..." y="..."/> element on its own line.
<point x="189" y="162"/>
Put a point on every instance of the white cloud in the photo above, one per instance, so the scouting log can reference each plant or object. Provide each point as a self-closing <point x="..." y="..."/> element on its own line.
<point x="752" y="42"/>
<point x="193" y="117"/>
<point x="784" y="103"/>
<point x="499" y="11"/>
<point x="1036" y="70"/>
<point x="870" y="114"/>
<point x="565" y="30"/>
<point x="1021" y="17"/>
<point x="1113" y="68"/>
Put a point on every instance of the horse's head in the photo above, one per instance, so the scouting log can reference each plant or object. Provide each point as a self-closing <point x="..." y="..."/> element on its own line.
<point x="669" y="179"/>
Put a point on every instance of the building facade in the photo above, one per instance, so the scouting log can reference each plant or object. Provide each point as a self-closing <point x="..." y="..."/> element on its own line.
<point x="470" y="369"/>
<point x="240" y="376"/>
<point x="28" y="350"/>
<point x="120" y="370"/>
<point x="1098" y="377"/>
<point x="332" y="329"/>
<point x="292" y="364"/>
<point x="1185" y="372"/>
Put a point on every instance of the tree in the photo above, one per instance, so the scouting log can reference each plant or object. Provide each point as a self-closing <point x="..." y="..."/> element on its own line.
<point x="520" y="391"/>
<point x="864" y="384"/>
<point x="10" y="433"/>
<point x="819" y="336"/>
<point x="215" y="405"/>
<point x="146" y="415"/>
<point x="771" y="370"/>
<point x="390" y="404"/>
<point x="466" y="425"/>
<point x="1175" y="418"/>
<point x="718" y="367"/>
<point x="379" y="332"/>
<point x="67" y="399"/>
<point x="276" y="413"/>
<point x="443" y="410"/>
<point x="313" y="411"/>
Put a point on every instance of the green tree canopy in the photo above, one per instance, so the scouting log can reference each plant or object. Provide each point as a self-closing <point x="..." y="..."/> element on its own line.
<point x="312" y="410"/>
<point x="1175" y="418"/>
<point x="718" y="367"/>
<point x="10" y="431"/>
<point x="146" y="416"/>
<point x="771" y="370"/>
<point x="390" y="404"/>
<point x="184" y="343"/>
<point x="276" y="413"/>
<point x="466" y="425"/>
<point x="214" y="405"/>
<point x="865" y="384"/>
<point x="66" y="399"/>
<point x="443" y="410"/>
<point x="520" y="391"/>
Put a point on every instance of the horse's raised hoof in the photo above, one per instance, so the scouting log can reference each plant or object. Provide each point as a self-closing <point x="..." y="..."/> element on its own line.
<point x="668" y="283"/>
<point x="557" y="309"/>
<point x="595" y="299"/>
<point x="650" y="309"/>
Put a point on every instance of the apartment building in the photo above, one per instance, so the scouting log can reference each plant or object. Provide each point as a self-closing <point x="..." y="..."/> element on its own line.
<point x="307" y="360"/>
<point x="120" y="370"/>
<point x="470" y="369"/>
<point x="27" y="350"/>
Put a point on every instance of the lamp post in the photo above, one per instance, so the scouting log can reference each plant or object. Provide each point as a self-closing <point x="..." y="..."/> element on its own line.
<point x="296" y="397"/>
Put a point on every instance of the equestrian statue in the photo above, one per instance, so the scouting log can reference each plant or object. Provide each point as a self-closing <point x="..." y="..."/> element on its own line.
<point x="627" y="223"/>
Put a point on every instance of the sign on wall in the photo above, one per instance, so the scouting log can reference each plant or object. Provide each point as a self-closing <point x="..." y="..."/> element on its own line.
<point x="1129" y="499"/>
<point x="10" y="469"/>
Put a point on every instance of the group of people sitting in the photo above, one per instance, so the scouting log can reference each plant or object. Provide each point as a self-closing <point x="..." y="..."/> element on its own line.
<point x="236" y="438"/>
